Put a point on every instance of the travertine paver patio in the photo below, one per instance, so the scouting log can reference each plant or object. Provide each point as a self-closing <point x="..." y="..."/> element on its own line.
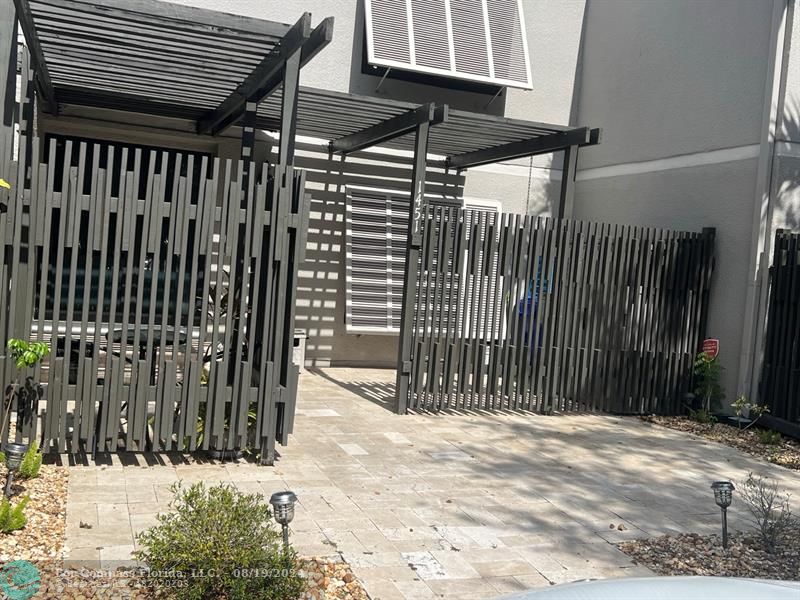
<point x="457" y="506"/>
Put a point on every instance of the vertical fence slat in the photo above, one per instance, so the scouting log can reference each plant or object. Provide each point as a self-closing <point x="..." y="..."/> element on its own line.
<point x="520" y="313"/>
<point x="109" y="294"/>
<point x="780" y="377"/>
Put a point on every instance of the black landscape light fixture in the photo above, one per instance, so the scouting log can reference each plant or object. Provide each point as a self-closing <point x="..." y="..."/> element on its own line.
<point x="14" y="453"/>
<point x="723" y="495"/>
<point x="283" y="508"/>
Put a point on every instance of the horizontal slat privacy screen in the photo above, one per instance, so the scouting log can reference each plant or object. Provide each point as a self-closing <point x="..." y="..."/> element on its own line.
<point x="376" y="229"/>
<point x="478" y="40"/>
<point x="375" y="244"/>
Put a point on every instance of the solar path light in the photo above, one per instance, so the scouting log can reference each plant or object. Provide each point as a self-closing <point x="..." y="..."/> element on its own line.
<point x="283" y="508"/>
<point x="14" y="453"/>
<point x="723" y="495"/>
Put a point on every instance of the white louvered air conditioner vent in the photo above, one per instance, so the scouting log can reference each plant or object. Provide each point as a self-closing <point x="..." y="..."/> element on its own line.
<point x="477" y="40"/>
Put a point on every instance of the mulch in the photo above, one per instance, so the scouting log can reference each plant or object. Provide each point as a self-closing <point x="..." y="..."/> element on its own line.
<point x="786" y="453"/>
<point x="693" y="554"/>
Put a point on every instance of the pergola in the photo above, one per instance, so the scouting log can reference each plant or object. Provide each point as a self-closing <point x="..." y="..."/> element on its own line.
<point x="220" y="70"/>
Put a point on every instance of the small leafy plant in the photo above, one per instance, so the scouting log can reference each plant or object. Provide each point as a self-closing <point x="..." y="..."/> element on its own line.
<point x="31" y="463"/>
<point x="708" y="371"/>
<point x="702" y="416"/>
<point x="219" y="543"/>
<point x="12" y="517"/>
<point x="769" y="437"/>
<point x="743" y="408"/>
<point x="769" y="510"/>
<point x="26" y="355"/>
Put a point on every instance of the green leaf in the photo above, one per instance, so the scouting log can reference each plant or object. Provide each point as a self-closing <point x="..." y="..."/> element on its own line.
<point x="27" y="354"/>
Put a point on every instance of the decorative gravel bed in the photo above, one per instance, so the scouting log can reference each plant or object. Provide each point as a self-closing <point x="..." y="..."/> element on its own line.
<point x="331" y="578"/>
<point x="693" y="554"/>
<point x="785" y="454"/>
<point x="42" y="539"/>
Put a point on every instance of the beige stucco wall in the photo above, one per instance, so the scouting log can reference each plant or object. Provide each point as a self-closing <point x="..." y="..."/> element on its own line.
<point x="689" y="199"/>
<point x="679" y="90"/>
<point x="786" y="164"/>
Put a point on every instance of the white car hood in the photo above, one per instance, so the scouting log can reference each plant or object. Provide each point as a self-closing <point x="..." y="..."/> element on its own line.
<point x="667" y="588"/>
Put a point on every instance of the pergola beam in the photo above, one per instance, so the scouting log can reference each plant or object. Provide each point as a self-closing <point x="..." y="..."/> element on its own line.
<point x="579" y="136"/>
<point x="233" y="107"/>
<point x="390" y="128"/>
<point x="319" y="38"/>
<point x="47" y="94"/>
<point x="167" y="13"/>
<point x="268" y="74"/>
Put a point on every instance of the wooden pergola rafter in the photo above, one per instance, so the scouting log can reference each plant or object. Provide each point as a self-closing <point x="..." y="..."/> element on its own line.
<point x="269" y="74"/>
<point x="141" y="56"/>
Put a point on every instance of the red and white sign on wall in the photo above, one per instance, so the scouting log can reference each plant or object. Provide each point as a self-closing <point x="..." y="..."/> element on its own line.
<point x="711" y="347"/>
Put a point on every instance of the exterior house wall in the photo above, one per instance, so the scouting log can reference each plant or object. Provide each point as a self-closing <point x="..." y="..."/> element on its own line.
<point x="680" y="97"/>
<point x="689" y="199"/>
<point x="786" y="165"/>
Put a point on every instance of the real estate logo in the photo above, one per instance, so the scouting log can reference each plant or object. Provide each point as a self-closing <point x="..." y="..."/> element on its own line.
<point x="19" y="580"/>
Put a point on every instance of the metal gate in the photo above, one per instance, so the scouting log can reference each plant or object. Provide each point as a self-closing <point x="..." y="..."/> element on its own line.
<point x="780" y="375"/>
<point x="164" y="283"/>
<point x="524" y="313"/>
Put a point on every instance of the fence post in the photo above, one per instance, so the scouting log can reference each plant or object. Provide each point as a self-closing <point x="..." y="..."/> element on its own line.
<point x="709" y="255"/>
<point x="411" y="269"/>
<point x="8" y="80"/>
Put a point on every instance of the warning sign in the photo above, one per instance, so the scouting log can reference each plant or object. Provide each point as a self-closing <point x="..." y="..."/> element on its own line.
<point x="711" y="347"/>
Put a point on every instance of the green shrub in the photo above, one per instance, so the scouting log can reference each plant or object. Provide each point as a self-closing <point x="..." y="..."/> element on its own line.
<point x="12" y="517"/>
<point x="769" y="437"/>
<point x="702" y="416"/>
<point x="219" y="543"/>
<point x="708" y="381"/>
<point x="31" y="463"/>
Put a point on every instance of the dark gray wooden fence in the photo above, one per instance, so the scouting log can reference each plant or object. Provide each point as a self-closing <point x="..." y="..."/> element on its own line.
<point x="165" y="285"/>
<point x="780" y="374"/>
<point x="523" y="313"/>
